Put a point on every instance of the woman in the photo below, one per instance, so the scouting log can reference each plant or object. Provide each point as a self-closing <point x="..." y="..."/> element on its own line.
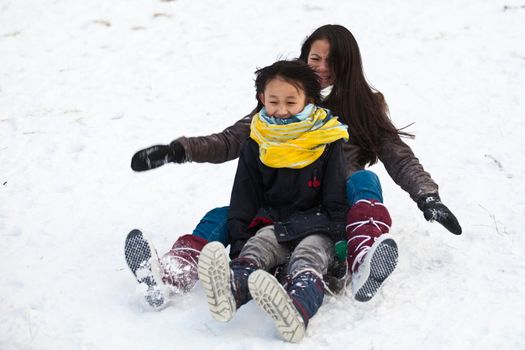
<point x="333" y="53"/>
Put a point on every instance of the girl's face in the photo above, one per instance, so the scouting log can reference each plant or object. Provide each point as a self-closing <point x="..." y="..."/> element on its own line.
<point x="318" y="59"/>
<point x="282" y="99"/>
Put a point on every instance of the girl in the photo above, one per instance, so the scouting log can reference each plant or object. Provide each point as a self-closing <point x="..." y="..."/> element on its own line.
<point x="288" y="191"/>
<point x="333" y="53"/>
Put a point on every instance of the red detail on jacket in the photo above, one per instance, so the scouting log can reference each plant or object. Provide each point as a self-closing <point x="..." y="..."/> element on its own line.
<point x="314" y="183"/>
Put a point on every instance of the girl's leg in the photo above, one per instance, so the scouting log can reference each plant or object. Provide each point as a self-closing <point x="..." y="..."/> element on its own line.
<point x="314" y="253"/>
<point x="372" y="252"/>
<point x="308" y="263"/>
<point x="226" y="285"/>
<point x="264" y="250"/>
<point x="292" y="306"/>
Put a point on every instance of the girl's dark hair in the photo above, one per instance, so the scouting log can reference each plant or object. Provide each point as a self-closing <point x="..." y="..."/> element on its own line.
<point x="357" y="104"/>
<point x="296" y="72"/>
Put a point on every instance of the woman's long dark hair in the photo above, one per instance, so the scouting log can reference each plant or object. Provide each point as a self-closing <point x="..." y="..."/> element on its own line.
<point x="360" y="106"/>
<point x="296" y="73"/>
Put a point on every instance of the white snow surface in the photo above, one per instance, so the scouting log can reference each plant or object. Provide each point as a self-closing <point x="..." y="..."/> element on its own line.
<point x="85" y="84"/>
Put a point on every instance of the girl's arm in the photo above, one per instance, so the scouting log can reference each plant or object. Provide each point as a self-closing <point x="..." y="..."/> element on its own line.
<point x="246" y="197"/>
<point x="334" y="189"/>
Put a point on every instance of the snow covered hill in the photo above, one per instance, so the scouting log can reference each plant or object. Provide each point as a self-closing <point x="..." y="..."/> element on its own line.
<point x="84" y="84"/>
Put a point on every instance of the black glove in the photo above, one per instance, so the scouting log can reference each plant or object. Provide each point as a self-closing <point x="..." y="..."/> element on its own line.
<point x="434" y="210"/>
<point x="155" y="156"/>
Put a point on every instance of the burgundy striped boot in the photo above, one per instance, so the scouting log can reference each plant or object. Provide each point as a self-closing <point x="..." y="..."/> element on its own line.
<point x="372" y="251"/>
<point x="179" y="265"/>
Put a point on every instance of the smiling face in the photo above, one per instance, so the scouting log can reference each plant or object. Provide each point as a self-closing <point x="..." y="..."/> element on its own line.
<point x="282" y="99"/>
<point x="318" y="59"/>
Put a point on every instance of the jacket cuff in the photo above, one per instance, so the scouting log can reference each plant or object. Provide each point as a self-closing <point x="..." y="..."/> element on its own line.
<point x="338" y="231"/>
<point x="186" y="146"/>
<point x="427" y="198"/>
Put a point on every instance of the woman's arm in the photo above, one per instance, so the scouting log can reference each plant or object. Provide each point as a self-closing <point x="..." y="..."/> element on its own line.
<point x="407" y="172"/>
<point x="405" y="169"/>
<point x="217" y="148"/>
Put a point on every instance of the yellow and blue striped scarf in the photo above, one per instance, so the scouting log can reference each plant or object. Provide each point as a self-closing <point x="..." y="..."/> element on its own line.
<point x="296" y="145"/>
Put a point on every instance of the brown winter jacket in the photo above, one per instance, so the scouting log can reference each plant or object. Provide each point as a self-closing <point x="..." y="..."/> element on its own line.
<point x="397" y="157"/>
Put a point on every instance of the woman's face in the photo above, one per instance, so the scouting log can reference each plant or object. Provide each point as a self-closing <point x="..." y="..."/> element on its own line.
<point x="282" y="99"/>
<point x="318" y="59"/>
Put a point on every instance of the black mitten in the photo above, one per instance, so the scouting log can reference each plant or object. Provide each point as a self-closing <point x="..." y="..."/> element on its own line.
<point x="178" y="152"/>
<point x="155" y="156"/>
<point x="434" y="210"/>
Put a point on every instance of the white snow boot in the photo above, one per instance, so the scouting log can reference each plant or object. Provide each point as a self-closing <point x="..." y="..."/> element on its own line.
<point x="144" y="263"/>
<point x="215" y="277"/>
<point x="271" y="296"/>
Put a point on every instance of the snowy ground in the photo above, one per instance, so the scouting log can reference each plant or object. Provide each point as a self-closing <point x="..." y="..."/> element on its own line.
<point x="84" y="84"/>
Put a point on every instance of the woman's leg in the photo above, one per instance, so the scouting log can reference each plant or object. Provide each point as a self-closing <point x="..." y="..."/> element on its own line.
<point x="363" y="184"/>
<point x="214" y="226"/>
<point x="372" y="252"/>
<point x="176" y="271"/>
<point x="180" y="262"/>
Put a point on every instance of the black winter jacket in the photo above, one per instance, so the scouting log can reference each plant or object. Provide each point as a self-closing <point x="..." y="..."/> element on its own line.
<point x="299" y="202"/>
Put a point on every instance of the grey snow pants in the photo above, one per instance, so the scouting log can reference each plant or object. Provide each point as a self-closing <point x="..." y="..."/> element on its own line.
<point x="314" y="252"/>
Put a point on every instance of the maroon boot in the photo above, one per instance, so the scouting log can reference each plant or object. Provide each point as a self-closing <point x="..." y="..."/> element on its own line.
<point x="372" y="251"/>
<point x="179" y="265"/>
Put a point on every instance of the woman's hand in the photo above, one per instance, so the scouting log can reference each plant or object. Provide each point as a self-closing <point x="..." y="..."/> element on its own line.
<point x="155" y="156"/>
<point x="434" y="210"/>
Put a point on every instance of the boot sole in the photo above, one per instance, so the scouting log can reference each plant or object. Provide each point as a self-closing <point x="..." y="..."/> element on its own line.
<point x="215" y="277"/>
<point x="143" y="262"/>
<point x="273" y="299"/>
<point x="379" y="263"/>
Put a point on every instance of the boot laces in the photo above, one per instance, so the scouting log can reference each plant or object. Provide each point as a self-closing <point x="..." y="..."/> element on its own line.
<point x="370" y="220"/>
<point x="191" y="261"/>
<point x="290" y="278"/>
<point x="362" y="248"/>
<point x="176" y="267"/>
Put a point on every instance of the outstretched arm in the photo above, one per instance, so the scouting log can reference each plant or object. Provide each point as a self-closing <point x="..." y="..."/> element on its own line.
<point x="214" y="148"/>
<point x="434" y="210"/>
<point x="405" y="169"/>
<point x="217" y="148"/>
